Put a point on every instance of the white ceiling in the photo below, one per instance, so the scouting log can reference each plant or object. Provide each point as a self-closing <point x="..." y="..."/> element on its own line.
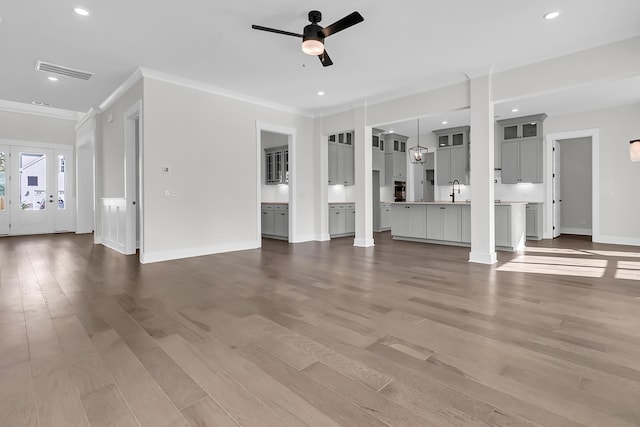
<point x="401" y="47"/>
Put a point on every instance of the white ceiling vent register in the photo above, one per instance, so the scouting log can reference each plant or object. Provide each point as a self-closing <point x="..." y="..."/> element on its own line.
<point x="65" y="71"/>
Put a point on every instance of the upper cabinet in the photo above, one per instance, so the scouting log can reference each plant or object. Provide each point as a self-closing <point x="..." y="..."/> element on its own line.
<point x="276" y="168"/>
<point x="341" y="159"/>
<point x="377" y="153"/>
<point x="521" y="149"/>
<point x="396" y="158"/>
<point x="452" y="157"/>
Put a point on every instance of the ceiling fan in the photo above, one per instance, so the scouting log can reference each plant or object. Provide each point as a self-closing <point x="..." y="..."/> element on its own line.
<point x="313" y="34"/>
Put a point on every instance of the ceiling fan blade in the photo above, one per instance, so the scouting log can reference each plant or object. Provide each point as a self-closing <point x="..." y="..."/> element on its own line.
<point x="324" y="58"/>
<point x="342" y="24"/>
<point x="273" y="30"/>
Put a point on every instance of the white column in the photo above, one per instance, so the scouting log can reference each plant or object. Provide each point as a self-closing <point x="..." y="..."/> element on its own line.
<point x="483" y="240"/>
<point x="363" y="180"/>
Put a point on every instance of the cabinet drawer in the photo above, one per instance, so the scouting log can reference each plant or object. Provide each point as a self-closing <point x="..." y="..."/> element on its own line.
<point x="281" y="207"/>
<point x="351" y="206"/>
<point x="267" y="207"/>
<point x="334" y="207"/>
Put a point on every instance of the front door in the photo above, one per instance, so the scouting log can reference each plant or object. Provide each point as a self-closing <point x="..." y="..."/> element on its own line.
<point x="34" y="198"/>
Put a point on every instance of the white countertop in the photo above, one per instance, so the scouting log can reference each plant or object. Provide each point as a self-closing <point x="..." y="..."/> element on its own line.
<point x="445" y="202"/>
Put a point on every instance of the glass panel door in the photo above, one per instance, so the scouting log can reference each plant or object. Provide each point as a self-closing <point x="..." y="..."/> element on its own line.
<point x="33" y="182"/>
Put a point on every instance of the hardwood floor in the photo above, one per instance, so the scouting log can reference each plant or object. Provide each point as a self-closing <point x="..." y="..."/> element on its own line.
<point x="319" y="334"/>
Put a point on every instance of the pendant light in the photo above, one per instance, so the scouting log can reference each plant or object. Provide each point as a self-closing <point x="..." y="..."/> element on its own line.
<point x="634" y="150"/>
<point x="418" y="154"/>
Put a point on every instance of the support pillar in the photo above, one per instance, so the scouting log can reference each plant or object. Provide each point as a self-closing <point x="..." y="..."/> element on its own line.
<point x="363" y="180"/>
<point x="482" y="146"/>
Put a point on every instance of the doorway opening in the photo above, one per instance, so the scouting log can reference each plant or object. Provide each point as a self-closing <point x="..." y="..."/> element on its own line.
<point x="134" y="225"/>
<point x="572" y="184"/>
<point x="276" y="183"/>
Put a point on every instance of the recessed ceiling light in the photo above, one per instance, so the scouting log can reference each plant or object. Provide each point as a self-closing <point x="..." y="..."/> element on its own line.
<point x="80" y="11"/>
<point x="53" y="79"/>
<point x="445" y="122"/>
<point x="390" y="131"/>
<point x="551" y="15"/>
<point x="40" y="103"/>
<point x="320" y="93"/>
<point x="515" y="110"/>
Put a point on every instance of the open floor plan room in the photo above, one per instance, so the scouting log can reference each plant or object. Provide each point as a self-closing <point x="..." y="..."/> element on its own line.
<point x="319" y="334"/>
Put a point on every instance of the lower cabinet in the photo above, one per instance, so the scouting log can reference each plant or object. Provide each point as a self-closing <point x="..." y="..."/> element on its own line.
<point x="275" y="221"/>
<point x="342" y="219"/>
<point x="385" y="216"/>
<point x="534" y="221"/>
<point x="443" y="223"/>
<point x="409" y="220"/>
<point x="510" y="223"/>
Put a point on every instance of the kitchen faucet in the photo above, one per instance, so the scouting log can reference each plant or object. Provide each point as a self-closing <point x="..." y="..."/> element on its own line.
<point x="453" y="190"/>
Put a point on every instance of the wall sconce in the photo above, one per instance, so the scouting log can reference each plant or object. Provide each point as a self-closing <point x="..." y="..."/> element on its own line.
<point x="634" y="150"/>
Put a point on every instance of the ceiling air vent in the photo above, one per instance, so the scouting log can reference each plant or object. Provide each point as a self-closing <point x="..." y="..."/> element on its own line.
<point x="65" y="71"/>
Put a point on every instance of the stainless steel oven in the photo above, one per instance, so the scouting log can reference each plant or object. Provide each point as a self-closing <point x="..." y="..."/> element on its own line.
<point x="399" y="191"/>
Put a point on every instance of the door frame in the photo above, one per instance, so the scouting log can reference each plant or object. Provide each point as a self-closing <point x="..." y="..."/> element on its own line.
<point x="291" y="136"/>
<point x="87" y="142"/>
<point x="550" y="140"/>
<point x="131" y="168"/>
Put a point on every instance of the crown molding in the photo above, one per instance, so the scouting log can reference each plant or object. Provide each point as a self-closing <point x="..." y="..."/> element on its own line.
<point x="121" y="90"/>
<point x="91" y="113"/>
<point x="39" y="110"/>
<point x="192" y="84"/>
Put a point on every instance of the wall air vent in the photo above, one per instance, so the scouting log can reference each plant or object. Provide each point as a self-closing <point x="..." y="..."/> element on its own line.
<point x="65" y="71"/>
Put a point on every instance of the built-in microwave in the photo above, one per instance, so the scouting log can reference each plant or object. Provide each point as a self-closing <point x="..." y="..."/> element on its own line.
<point x="399" y="191"/>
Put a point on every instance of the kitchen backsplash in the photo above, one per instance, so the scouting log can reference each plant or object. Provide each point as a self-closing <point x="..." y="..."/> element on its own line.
<point x="525" y="192"/>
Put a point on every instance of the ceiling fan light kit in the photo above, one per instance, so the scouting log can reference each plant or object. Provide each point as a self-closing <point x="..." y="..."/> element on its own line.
<point x="313" y="34"/>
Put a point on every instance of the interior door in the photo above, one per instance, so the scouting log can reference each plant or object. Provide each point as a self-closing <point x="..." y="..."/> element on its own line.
<point x="33" y="192"/>
<point x="557" y="196"/>
<point x="4" y="189"/>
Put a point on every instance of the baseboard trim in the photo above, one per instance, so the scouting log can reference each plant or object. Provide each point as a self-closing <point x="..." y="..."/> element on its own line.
<point x="617" y="240"/>
<point x="576" y="231"/>
<point x="304" y="238"/>
<point x="322" y="237"/>
<point x="159" y="256"/>
<point x="363" y="243"/>
<point x="483" y="258"/>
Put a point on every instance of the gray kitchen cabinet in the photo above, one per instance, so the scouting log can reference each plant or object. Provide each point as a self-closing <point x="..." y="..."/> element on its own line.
<point x="444" y="222"/>
<point x="465" y="224"/>
<point x="341" y="159"/>
<point x="395" y="158"/>
<point x="342" y="219"/>
<point x="350" y="218"/>
<point x="534" y="221"/>
<point x="385" y="216"/>
<point x="267" y="219"/>
<point x="409" y="220"/>
<point x="281" y="223"/>
<point x="503" y="225"/>
<point x="452" y="137"/>
<point x="521" y="149"/>
<point x="452" y="163"/>
<point x="275" y="220"/>
<point x="276" y="168"/>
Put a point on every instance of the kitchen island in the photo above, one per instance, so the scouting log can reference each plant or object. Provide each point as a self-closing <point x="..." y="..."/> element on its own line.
<point x="449" y="223"/>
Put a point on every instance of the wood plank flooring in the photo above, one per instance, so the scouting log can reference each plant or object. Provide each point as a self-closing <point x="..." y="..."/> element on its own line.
<point x="319" y="334"/>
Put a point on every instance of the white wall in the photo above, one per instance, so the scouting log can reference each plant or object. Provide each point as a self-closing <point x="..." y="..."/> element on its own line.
<point x="29" y="127"/>
<point x="215" y="208"/>
<point x="619" y="202"/>
<point x="575" y="184"/>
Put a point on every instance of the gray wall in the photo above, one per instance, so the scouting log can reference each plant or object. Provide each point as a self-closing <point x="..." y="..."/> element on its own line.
<point x="28" y="127"/>
<point x="576" y="173"/>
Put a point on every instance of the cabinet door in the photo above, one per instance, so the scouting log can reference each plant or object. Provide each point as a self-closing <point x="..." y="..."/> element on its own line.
<point x="451" y="223"/>
<point x="337" y="222"/>
<point x="530" y="161"/>
<point x="399" y="167"/>
<point x="333" y="164"/>
<point x="350" y="219"/>
<point x="434" y="222"/>
<point x="510" y="162"/>
<point x="399" y="219"/>
<point x="503" y="226"/>
<point x="443" y="167"/>
<point x="345" y="165"/>
<point x="417" y="221"/>
<point x="267" y="221"/>
<point x="269" y="168"/>
<point x="281" y="223"/>
<point x="465" y="224"/>
<point x="532" y="218"/>
<point x="385" y="217"/>
<point x="459" y="165"/>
